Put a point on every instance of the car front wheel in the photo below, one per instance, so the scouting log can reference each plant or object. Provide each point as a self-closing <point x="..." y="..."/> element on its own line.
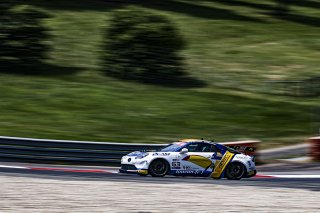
<point x="235" y="171"/>
<point x="158" y="168"/>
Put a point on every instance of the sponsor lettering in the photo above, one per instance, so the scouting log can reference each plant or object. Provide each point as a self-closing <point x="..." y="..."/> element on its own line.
<point x="175" y="164"/>
<point x="196" y="172"/>
<point x="176" y="167"/>
<point x="161" y="154"/>
<point x="222" y="164"/>
<point x="186" y="167"/>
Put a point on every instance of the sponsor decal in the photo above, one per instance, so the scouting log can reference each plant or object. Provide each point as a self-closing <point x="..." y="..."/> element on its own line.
<point x="161" y="154"/>
<point x="195" y="172"/>
<point x="221" y="165"/>
<point x="187" y="167"/>
<point x="175" y="164"/>
<point x="199" y="160"/>
<point x="176" y="167"/>
<point x="215" y="165"/>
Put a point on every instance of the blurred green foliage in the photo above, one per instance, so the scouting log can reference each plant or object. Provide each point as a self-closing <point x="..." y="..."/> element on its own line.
<point x="22" y="38"/>
<point x="143" y="46"/>
<point x="236" y="47"/>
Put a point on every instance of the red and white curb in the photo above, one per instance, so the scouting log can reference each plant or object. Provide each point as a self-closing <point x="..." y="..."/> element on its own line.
<point x="59" y="169"/>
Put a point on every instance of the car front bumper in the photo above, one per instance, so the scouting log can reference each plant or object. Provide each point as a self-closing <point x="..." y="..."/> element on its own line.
<point x="132" y="169"/>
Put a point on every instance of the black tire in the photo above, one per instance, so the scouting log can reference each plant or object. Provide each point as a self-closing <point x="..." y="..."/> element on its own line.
<point x="235" y="171"/>
<point x="158" y="168"/>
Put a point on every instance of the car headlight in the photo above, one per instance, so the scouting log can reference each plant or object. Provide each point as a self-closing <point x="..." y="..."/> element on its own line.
<point x="142" y="156"/>
<point x="123" y="159"/>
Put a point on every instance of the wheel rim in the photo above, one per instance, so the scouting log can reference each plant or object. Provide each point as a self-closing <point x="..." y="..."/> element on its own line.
<point x="236" y="171"/>
<point x="159" y="167"/>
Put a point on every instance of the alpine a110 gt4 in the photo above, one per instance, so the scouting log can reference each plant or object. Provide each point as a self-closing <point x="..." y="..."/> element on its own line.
<point x="191" y="158"/>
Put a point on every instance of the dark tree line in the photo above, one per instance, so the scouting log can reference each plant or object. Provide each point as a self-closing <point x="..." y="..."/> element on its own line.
<point x="282" y="7"/>
<point x="138" y="45"/>
<point x="22" y="37"/>
<point x="142" y="46"/>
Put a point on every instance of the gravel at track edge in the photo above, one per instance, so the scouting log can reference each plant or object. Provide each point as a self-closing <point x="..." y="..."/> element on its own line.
<point x="26" y="194"/>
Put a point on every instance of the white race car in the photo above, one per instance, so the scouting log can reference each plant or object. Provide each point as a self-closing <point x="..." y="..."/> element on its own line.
<point x="191" y="157"/>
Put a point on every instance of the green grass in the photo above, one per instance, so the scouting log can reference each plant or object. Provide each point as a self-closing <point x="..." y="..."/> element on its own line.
<point x="235" y="47"/>
<point x="229" y="45"/>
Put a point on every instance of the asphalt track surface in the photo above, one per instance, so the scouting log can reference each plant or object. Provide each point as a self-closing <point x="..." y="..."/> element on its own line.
<point x="307" y="179"/>
<point x="32" y="188"/>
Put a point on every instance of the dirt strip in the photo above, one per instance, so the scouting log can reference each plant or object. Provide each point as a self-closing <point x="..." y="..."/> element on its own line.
<point x="27" y="194"/>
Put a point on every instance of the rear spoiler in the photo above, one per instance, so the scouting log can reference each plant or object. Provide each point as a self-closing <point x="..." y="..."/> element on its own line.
<point x="243" y="149"/>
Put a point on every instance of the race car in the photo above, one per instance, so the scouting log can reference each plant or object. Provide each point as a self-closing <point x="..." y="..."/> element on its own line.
<point x="191" y="157"/>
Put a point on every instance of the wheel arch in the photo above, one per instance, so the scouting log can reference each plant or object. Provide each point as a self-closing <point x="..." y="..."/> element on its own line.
<point x="241" y="162"/>
<point x="160" y="158"/>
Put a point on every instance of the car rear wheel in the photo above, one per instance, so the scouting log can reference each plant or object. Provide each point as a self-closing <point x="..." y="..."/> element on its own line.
<point x="235" y="171"/>
<point x="158" y="168"/>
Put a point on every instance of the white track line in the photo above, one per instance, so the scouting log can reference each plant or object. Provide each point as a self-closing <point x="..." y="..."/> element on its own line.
<point x="13" y="167"/>
<point x="296" y="176"/>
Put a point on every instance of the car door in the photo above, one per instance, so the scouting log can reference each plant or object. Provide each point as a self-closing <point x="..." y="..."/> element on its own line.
<point x="198" y="158"/>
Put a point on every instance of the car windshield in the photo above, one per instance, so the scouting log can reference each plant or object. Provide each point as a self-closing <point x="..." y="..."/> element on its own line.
<point x="172" y="147"/>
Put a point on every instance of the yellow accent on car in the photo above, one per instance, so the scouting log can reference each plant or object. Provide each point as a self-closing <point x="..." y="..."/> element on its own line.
<point x="143" y="172"/>
<point x="251" y="172"/>
<point x="200" y="161"/>
<point x="222" y="165"/>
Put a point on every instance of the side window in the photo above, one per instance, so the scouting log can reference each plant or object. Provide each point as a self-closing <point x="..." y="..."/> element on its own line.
<point x="206" y="147"/>
<point x="199" y="147"/>
<point x="215" y="149"/>
<point x="192" y="147"/>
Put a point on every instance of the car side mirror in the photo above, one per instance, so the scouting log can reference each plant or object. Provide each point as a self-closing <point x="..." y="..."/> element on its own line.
<point x="184" y="151"/>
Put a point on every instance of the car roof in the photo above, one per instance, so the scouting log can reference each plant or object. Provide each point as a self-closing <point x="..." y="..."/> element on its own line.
<point x="194" y="140"/>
